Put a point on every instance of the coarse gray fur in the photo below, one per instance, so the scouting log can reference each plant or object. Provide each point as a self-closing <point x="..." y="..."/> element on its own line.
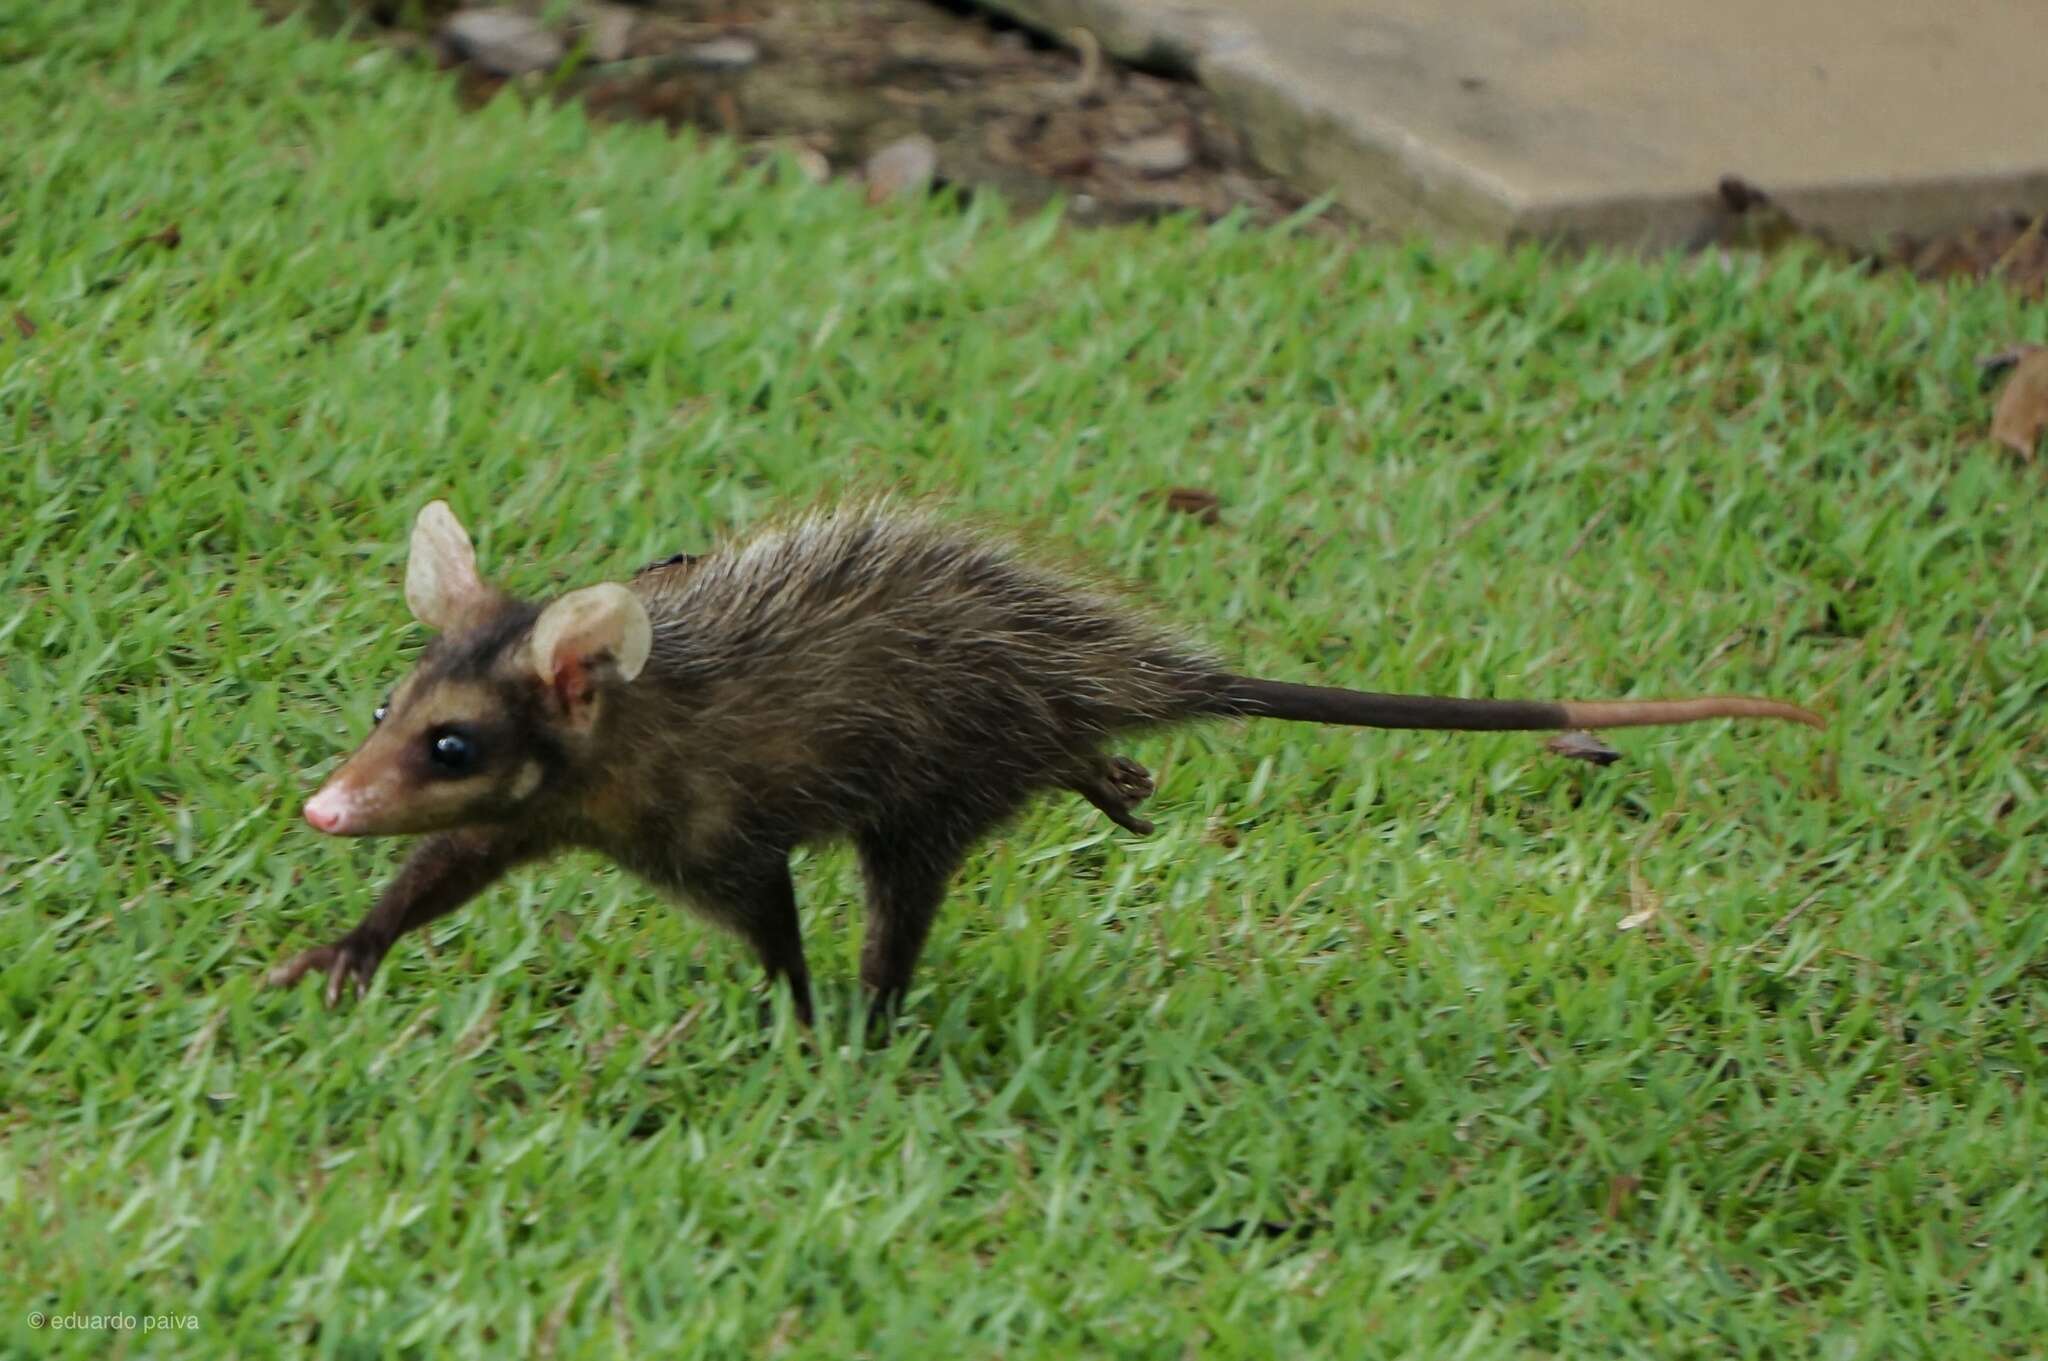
<point x="819" y="676"/>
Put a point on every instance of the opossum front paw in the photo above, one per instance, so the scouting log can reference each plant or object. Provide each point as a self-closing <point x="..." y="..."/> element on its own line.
<point x="348" y="963"/>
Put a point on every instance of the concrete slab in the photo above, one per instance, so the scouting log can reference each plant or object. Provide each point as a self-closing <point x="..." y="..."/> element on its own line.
<point x="1611" y="121"/>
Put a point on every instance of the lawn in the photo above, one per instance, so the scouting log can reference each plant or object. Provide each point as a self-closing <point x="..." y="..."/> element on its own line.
<point x="1383" y="1044"/>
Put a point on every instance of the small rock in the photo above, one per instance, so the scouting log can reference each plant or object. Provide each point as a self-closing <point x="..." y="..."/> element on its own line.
<point x="608" y="30"/>
<point x="732" y="53"/>
<point x="901" y="167"/>
<point x="808" y="163"/>
<point x="1165" y="153"/>
<point x="811" y="163"/>
<point x="501" y="42"/>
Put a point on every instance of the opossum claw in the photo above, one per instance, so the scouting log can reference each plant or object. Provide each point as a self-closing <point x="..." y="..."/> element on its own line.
<point x="347" y="960"/>
<point x="1114" y="785"/>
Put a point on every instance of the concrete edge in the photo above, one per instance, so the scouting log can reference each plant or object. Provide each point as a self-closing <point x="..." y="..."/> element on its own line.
<point x="1397" y="184"/>
<point x="1380" y="174"/>
<point x="1164" y="38"/>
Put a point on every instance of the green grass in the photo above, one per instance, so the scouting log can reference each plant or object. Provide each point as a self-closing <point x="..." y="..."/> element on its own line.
<point x="1370" y="986"/>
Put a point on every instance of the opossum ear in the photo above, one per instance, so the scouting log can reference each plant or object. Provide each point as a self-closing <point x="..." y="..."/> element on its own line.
<point x="588" y="636"/>
<point x="441" y="581"/>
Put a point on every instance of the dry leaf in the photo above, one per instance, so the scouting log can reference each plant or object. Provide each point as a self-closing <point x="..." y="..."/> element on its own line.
<point x="901" y="167"/>
<point x="1203" y="505"/>
<point x="2022" y="411"/>
<point x="24" y="325"/>
<point x="1636" y="920"/>
<point x="168" y="238"/>
<point x="1582" y="746"/>
<point x="1621" y="1193"/>
<point x="728" y="109"/>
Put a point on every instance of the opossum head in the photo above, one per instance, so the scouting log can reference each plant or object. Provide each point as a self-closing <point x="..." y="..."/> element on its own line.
<point x="505" y="708"/>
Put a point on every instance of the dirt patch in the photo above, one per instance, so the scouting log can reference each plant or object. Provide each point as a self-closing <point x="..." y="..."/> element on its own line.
<point x="2011" y="249"/>
<point x="837" y="82"/>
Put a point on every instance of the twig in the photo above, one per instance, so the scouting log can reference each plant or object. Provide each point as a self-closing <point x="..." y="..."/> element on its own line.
<point x="1781" y="923"/>
<point x="1091" y="62"/>
<point x="2025" y="238"/>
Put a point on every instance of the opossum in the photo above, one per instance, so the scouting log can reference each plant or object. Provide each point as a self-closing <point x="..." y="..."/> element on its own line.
<point x="865" y="672"/>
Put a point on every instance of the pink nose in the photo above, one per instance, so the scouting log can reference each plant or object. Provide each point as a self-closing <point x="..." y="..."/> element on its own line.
<point x="324" y="812"/>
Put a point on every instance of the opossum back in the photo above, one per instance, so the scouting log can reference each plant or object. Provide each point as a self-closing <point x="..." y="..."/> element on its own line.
<point x="871" y="605"/>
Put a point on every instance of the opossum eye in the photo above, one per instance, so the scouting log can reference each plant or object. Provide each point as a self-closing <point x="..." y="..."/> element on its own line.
<point x="451" y="751"/>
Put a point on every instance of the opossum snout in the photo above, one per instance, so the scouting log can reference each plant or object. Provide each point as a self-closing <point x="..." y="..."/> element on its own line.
<point x="328" y="811"/>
